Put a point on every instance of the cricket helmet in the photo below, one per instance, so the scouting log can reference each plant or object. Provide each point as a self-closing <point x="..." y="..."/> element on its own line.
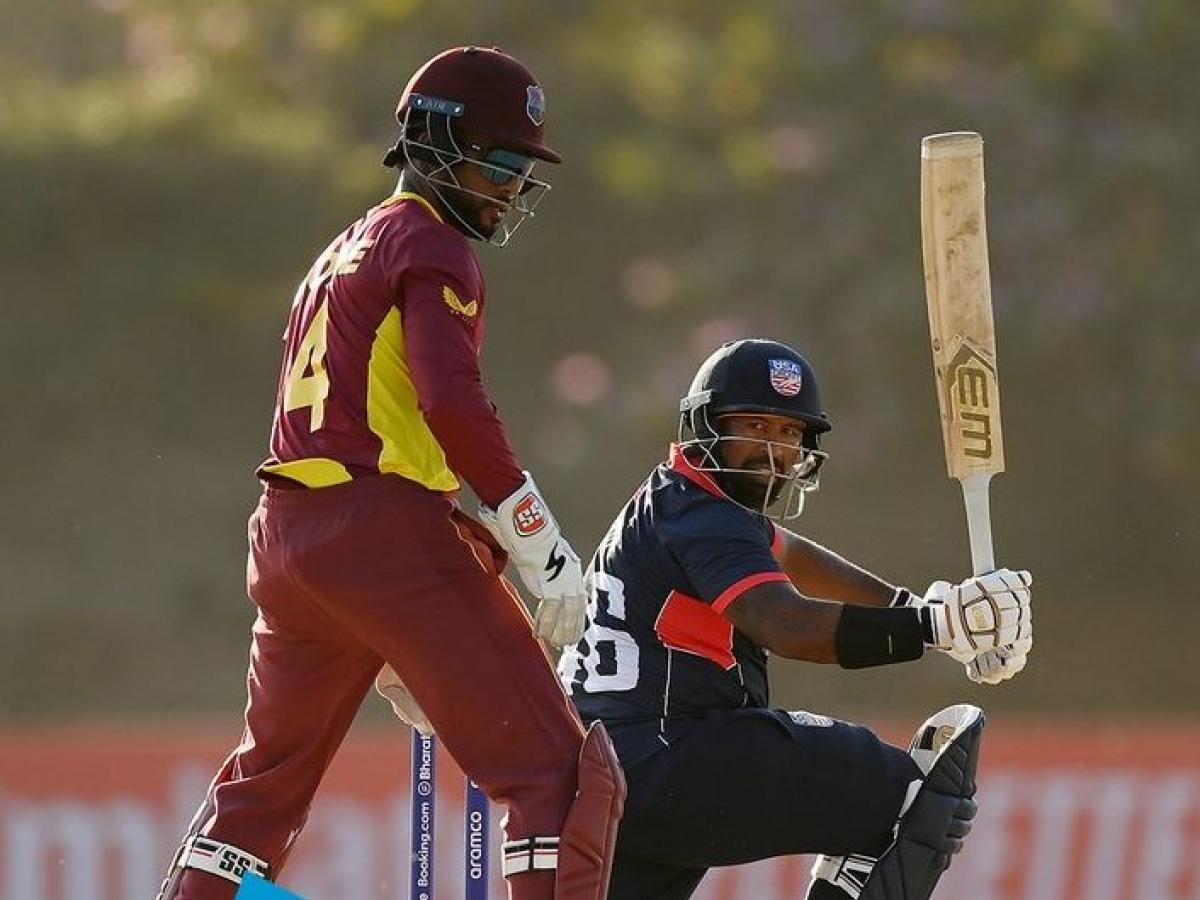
<point x="756" y="376"/>
<point x="469" y="94"/>
<point x="486" y="92"/>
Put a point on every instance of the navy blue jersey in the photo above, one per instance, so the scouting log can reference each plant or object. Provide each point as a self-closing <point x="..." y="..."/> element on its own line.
<point x="656" y="646"/>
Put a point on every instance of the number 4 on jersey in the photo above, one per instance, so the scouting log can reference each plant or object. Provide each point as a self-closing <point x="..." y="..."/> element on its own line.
<point x="307" y="383"/>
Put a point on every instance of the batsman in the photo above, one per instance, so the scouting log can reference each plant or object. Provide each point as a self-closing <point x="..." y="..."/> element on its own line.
<point x="695" y="583"/>
<point x="360" y="555"/>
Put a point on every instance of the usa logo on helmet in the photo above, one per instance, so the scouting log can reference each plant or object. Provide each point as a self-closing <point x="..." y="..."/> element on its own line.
<point x="786" y="377"/>
<point x="535" y="104"/>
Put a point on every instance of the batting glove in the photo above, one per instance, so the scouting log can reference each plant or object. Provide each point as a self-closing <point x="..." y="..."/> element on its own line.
<point x="1000" y="664"/>
<point x="980" y="614"/>
<point x="524" y="526"/>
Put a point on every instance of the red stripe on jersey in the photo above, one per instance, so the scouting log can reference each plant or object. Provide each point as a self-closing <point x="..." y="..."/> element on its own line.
<point x="777" y="541"/>
<point x="738" y="588"/>
<point x="687" y="624"/>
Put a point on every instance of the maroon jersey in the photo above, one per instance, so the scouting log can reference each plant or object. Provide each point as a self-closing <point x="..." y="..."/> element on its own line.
<point x="381" y="366"/>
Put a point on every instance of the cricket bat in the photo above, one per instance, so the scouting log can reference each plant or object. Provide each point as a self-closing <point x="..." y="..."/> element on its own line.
<point x="958" y="292"/>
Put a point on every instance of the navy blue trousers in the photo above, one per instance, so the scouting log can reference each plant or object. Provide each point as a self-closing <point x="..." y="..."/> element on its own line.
<point x="750" y="784"/>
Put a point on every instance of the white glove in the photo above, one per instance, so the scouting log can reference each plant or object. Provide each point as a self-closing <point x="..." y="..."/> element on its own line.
<point x="524" y="526"/>
<point x="983" y="613"/>
<point x="404" y="705"/>
<point x="1000" y="664"/>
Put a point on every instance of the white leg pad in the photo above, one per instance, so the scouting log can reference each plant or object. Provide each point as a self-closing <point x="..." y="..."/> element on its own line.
<point x="530" y="854"/>
<point x="849" y="873"/>
<point x="224" y="860"/>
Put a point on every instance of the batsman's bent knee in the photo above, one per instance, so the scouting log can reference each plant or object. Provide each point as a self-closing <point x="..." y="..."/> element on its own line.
<point x="935" y="818"/>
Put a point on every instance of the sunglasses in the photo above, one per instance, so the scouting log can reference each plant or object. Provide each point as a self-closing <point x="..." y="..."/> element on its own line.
<point x="501" y="166"/>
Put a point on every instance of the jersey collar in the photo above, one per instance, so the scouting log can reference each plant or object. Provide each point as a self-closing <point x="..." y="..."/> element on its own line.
<point x="681" y="464"/>
<point x="412" y="195"/>
<point x="678" y="462"/>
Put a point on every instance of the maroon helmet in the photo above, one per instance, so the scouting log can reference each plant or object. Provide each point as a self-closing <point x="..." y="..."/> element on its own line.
<point x="459" y="101"/>
<point x="485" y="92"/>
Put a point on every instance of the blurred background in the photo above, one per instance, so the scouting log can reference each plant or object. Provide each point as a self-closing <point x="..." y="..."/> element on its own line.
<point x="168" y="171"/>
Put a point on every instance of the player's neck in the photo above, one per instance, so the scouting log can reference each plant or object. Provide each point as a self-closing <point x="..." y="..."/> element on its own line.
<point x="411" y="183"/>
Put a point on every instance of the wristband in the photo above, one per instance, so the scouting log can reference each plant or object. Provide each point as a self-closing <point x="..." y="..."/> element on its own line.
<point x="867" y="636"/>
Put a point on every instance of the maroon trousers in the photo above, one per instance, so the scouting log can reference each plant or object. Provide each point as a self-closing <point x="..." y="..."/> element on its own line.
<point x="374" y="570"/>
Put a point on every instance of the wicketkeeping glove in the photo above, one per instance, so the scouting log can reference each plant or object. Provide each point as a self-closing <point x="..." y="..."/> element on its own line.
<point x="980" y="614"/>
<point x="524" y="526"/>
<point x="404" y="705"/>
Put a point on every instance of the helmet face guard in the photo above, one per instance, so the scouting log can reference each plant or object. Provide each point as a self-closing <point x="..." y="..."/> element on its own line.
<point x="786" y="485"/>
<point x="432" y="116"/>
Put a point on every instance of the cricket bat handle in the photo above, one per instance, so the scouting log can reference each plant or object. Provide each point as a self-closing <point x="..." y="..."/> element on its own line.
<point x="979" y="521"/>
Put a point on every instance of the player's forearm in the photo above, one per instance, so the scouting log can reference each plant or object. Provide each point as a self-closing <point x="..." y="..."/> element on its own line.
<point x="817" y="571"/>
<point x="788" y="624"/>
<point x="775" y="616"/>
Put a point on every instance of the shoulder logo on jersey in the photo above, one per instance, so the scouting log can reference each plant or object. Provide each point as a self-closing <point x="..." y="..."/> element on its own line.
<point x="529" y="516"/>
<point x="809" y="720"/>
<point x="786" y="377"/>
<point x="467" y="310"/>
<point x="535" y="104"/>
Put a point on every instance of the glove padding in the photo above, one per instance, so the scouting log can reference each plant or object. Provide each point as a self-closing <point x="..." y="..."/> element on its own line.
<point x="548" y="566"/>
<point x="982" y="613"/>
<point x="404" y="705"/>
<point x="1000" y="664"/>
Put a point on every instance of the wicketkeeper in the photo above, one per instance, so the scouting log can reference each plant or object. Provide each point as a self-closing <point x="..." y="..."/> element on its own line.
<point x="359" y="552"/>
